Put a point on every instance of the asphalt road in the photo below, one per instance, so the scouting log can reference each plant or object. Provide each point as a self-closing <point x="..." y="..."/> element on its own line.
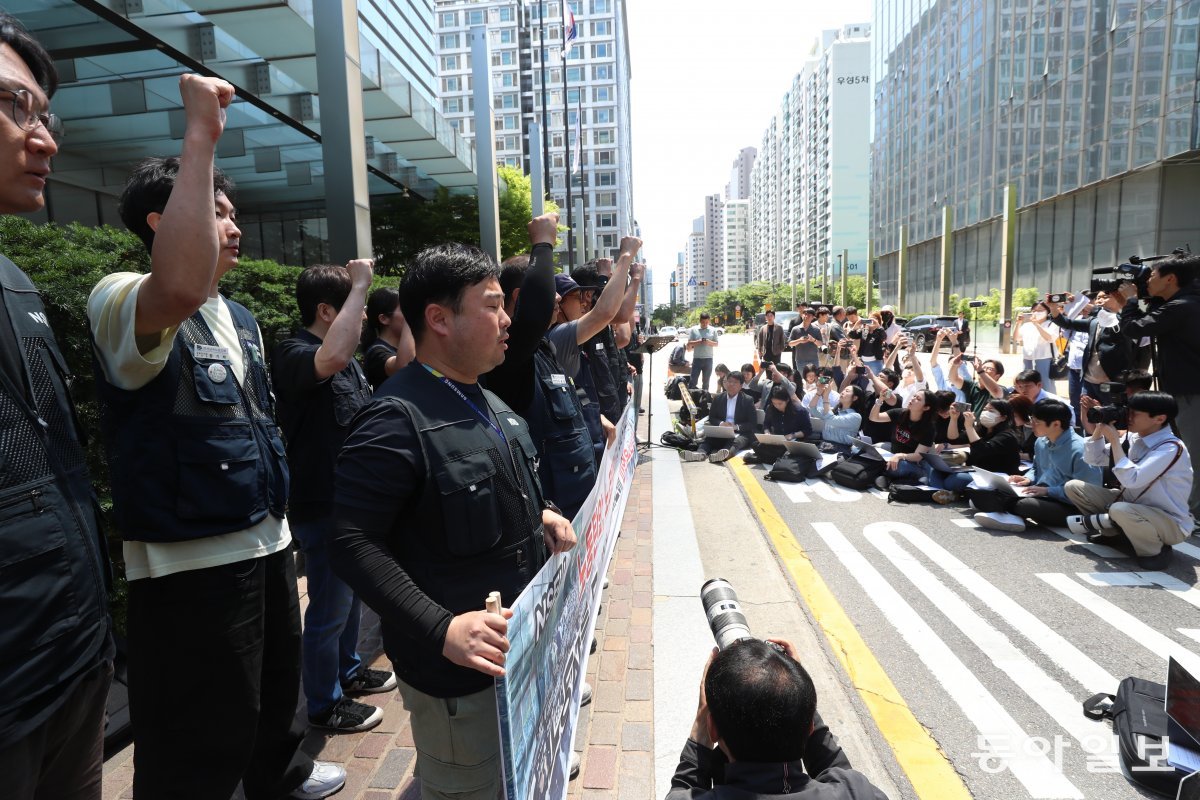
<point x="991" y="640"/>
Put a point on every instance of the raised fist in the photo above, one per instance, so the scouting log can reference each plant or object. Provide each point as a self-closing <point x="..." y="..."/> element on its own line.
<point x="204" y="104"/>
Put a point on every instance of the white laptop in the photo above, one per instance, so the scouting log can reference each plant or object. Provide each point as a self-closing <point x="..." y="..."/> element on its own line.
<point x="719" y="432"/>
<point x="983" y="479"/>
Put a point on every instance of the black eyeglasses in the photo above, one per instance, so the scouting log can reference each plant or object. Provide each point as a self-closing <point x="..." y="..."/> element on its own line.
<point x="28" y="118"/>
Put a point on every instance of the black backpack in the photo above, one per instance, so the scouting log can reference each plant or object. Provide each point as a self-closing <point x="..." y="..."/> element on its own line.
<point x="1138" y="713"/>
<point x="678" y="440"/>
<point x="857" y="471"/>
<point x="906" y="493"/>
<point x="793" y="468"/>
<point x="703" y="402"/>
<point x="674" y="386"/>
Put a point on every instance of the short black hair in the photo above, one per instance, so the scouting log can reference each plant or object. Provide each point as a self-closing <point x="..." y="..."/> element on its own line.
<point x="996" y="364"/>
<point x="587" y="276"/>
<point x="1155" y="404"/>
<point x="440" y="274"/>
<point x="705" y="315"/>
<point x="762" y="702"/>
<point x="1003" y="407"/>
<point x="29" y="50"/>
<point x="784" y="369"/>
<point x="383" y="301"/>
<point x="1185" y="268"/>
<point x="1028" y="376"/>
<point x="778" y="393"/>
<point x="321" y="283"/>
<point x="739" y="377"/>
<point x="1052" y="411"/>
<point x="721" y="368"/>
<point x="1136" y="379"/>
<point x="890" y="377"/>
<point x="148" y="189"/>
<point x="512" y="274"/>
<point x="770" y="311"/>
<point x="943" y="399"/>
<point x="851" y="309"/>
<point x="747" y="366"/>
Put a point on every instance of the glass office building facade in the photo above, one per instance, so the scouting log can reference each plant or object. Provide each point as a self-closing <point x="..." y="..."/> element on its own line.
<point x="1087" y="108"/>
<point x="119" y="63"/>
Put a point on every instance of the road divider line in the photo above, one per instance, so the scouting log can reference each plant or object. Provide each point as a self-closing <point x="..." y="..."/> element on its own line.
<point x="928" y="769"/>
<point x="996" y="726"/>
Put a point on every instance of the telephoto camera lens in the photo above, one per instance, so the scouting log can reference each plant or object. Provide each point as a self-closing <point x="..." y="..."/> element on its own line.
<point x="725" y="616"/>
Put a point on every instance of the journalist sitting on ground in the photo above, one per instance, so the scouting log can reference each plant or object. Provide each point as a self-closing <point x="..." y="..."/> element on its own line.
<point x="1040" y="495"/>
<point x="984" y="387"/>
<point x="842" y="416"/>
<point x="757" y="722"/>
<point x="911" y="438"/>
<point x="995" y="445"/>
<point x="733" y="409"/>
<point x="1155" y="475"/>
<point x="1028" y="383"/>
<point x="783" y="418"/>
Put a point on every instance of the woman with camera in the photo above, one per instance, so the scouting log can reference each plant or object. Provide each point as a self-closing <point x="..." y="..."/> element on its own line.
<point x="1036" y="337"/>
<point x="995" y="445"/>
<point x="912" y="436"/>
<point x="841" y="412"/>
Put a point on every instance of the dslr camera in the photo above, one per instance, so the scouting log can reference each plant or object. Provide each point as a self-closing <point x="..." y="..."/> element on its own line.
<point x="725" y="617"/>
<point x="1115" y="412"/>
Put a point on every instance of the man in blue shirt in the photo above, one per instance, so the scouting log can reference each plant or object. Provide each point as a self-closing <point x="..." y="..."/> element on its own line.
<point x="1058" y="457"/>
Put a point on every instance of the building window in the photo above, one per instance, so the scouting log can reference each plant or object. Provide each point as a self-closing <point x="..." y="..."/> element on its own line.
<point x="574" y="74"/>
<point x="602" y="72"/>
<point x="476" y="16"/>
<point x="511" y="122"/>
<point x="510" y="143"/>
<point x="606" y="220"/>
<point x="603" y="137"/>
<point x="451" y="84"/>
<point x="449" y="63"/>
<point x="602" y="50"/>
<point x="576" y="52"/>
<point x="602" y="116"/>
<point x="452" y="105"/>
<point x="602" y="28"/>
<point x="602" y="94"/>
<point x="504" y="58"/>
<point x="606" y="179"/>
<point x="448" y="41"/>
<point x="572" y="96"/>
<point x="606" y="198"/>
<point x="448" y="19"/>
<point x="508" y="100"/>
<point x="604" y="158"/>
<point x="601" y="6"/>
<point x="512" y="161"/>
<point x="608" y="241"/>
<point x="507" y="14"/>
<point x="508" y="80"/>
<point x="508" y="36"/>
<point x="556" y="140"/>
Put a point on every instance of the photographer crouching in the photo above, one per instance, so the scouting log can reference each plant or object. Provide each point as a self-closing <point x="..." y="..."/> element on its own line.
<point x="1150" y="508"/>
<point x="1163" y="302"/>
<point x="757" y="732"/>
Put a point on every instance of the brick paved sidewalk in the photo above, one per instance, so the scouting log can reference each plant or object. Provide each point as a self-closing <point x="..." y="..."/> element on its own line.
<point x="614" y="737"/>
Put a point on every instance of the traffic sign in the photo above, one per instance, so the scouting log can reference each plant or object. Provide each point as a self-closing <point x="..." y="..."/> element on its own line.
<point x="691" y="281"/>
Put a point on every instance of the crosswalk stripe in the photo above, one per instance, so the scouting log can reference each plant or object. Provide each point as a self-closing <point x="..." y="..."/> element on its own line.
<point x="965" y="523"/>
<point x="1186" y="593"/>
<point x="1189" y="550"/>
<point x="1048" y="693"/>
<point x="1071" y="659"/>
<point x="1102" y="550"/>
<point x="1035" y="772"/>
<point x="1123" y="621"/>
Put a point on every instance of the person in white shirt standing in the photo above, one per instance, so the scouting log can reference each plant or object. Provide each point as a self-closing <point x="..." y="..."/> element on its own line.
<point x="1151" y="507"/>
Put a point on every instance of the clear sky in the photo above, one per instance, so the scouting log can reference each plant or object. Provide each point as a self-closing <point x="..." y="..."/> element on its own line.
<point x="707" y="77"/>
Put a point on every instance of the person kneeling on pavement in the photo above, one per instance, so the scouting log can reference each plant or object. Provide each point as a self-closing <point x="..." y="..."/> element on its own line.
<point x="733" y="409"/>
<point x="783" y="418"/>
<point x="1040" y="494"/>
<point x="1151" y="507"/>
<point x="757" y="732"/>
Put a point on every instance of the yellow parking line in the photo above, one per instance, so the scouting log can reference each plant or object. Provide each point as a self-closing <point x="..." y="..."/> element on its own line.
<point x="927" y="767"/>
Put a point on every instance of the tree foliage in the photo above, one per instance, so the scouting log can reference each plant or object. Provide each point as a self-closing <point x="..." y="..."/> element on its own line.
<point x="405" y="225"/>
<point x="990" y="311"/>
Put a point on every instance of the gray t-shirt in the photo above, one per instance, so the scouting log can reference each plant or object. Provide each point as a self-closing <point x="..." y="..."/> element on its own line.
<point x="808" y="352"/>
<point x="566" y="346"/>
<point x="703" y="335"/>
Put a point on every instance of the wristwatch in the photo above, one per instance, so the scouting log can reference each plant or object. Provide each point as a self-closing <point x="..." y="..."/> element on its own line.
<point x="550" y="505"/>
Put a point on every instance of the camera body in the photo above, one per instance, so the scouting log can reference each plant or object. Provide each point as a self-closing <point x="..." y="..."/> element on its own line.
<point x="1116" y="411"/>
<point x="824" y="349"/>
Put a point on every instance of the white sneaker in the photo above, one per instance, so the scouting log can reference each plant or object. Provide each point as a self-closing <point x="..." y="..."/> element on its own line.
<point x="573" y="766"/>
<point x="1000" y="521"/>
<point x="692" y="455"/>
<point x="324" y="780"/>
<point x="719" y="456"/>
<point x="585" y="694"/>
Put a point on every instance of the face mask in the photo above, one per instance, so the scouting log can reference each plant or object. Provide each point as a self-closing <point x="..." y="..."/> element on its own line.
<point x="1039" y="316"/>
<point x="989" y="418"/>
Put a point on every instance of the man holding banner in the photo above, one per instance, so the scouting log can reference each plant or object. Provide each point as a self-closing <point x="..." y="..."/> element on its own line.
<point x="437" y="504"/>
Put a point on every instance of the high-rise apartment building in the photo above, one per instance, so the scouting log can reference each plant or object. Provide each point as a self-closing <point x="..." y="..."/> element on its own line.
<point x="738" y="187"/>
<point x="810" y="183"/>
<point x="735" y="245"/>
<point x="695" y="265"/>
<point x="585" y="95"/>
<point x="1087" y="109"/>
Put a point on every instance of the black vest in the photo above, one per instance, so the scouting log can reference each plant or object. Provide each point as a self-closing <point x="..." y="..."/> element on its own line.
<point x="474" y="526"/>
<point x="194" y="453"/>
<point x="55" y="564"/>
<point x="595" y="354"/>
<point x="567" y="468"/>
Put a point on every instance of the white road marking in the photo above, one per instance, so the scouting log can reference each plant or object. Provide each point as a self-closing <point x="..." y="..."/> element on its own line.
<point x="1186" y="593"/>
<point x="1102" y="550"/>
<point x="1123" y="621"/>
<point x="1189" y="550"/>
<point x="965" y="523"/>
<point x="1036" y="772"/>
<point x="1193" y="633"/>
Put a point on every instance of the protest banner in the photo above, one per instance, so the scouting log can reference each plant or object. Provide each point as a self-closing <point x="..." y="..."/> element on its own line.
<point x="550" y="634"/>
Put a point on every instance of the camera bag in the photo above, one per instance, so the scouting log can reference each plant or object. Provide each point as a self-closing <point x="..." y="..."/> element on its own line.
<point x="678" y="440"/>
<point x="857" y="471"/>
<point x="1139" y="719"/>
<point x="793" y="468"/>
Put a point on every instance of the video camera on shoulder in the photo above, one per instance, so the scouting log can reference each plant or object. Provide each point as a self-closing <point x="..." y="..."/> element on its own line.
<point x="1135" y="271"/>
<point x="1116" y="411"/>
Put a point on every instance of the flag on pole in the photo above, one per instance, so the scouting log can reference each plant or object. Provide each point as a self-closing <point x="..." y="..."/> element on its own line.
<point x="570" y="31"/>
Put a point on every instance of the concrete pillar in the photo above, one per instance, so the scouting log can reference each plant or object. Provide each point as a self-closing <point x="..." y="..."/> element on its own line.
<point x="1008" y="252"/>
<point x="485" y="142"/>
<point x="902" y="271"/>
<point x="537" y="177"/>
<point x="866" y="310"/>
<point x="845" y="269"/>
<point x="343" y="136"/>
<point x="947" y="258"/>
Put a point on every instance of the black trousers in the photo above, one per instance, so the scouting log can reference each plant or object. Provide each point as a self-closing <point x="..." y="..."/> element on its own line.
<point x="63" y="758"/>
<point x="735" y="445"/>
<point x="1043" y="510"/>
<point x="214" y="682"/>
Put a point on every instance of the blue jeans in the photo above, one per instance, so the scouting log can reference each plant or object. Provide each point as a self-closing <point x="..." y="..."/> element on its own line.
<point x="701" y="365"/>
<point x="329" y="651"/>
<point x="950" y="481"/>
<point x="1042" y="365"/>
<point x="907" y="469"/>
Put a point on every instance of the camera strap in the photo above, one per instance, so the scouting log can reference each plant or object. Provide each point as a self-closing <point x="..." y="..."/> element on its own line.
<point x="1178" y="453"/>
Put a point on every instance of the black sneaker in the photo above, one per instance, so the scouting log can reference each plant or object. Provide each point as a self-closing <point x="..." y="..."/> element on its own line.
<point x="370" y="681"/>
<point x="347" y="716"/>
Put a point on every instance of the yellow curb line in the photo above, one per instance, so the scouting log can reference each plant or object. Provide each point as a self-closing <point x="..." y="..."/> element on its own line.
<point x="927" y="767"/>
